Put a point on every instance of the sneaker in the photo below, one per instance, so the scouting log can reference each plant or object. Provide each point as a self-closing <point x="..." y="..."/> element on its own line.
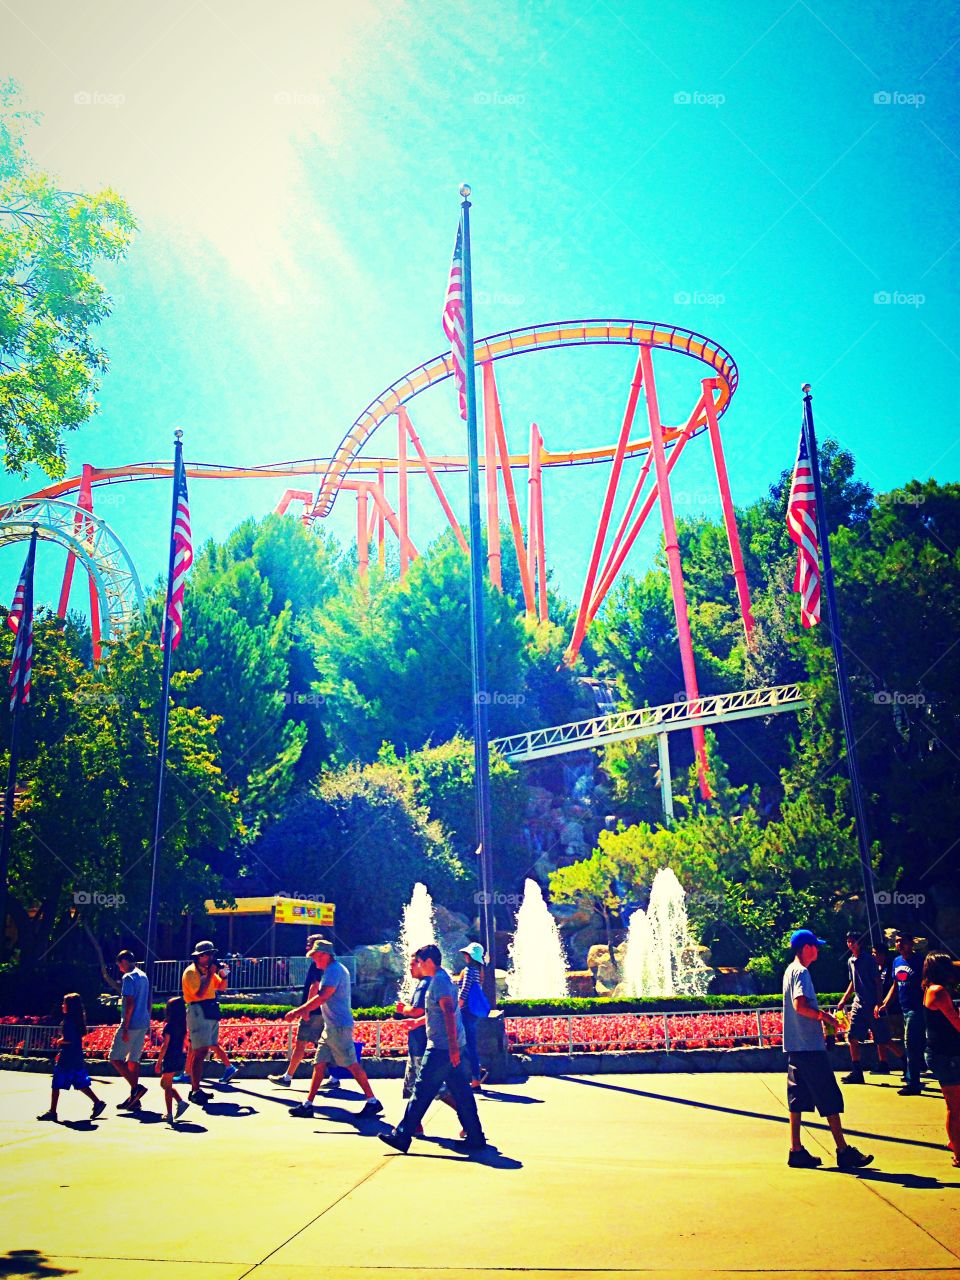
<point x="329" y="1082"/>
<point x="139" y="1092"/>
<point x="99" y="1107"/>
<point x="802" y="1159"/>
<point x="851" y="1158"/>
<point x="49" y="1115"/>
<point x="198" y="1095"/>
<point x="853" y="1077"/>
<point x="283" y="1079"/>
<point x="181" y="1107"/>
<point x="228" y="1074"/>
<point x="302" y="1109"/>
<point x="393" y="1139"/>
<point x="372" y="1107"/>
<point x="881" y="1069"/>
<point x="479" y="1144"/>
<point x="135" y="1107"/>
<point x="181" y="1078"/>
<point x="910" y="1091"/>
<point x="126" y="1104"/>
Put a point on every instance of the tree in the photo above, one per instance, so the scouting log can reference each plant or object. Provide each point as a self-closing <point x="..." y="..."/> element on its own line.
<point x="50" y="300"/>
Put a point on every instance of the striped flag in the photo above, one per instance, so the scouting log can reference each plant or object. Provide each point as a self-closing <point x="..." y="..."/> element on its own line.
<point x="802" y="528"/>
<point x="453" y="321"/>
<point x="182" y="557"/>
<point x="20" y="620"/>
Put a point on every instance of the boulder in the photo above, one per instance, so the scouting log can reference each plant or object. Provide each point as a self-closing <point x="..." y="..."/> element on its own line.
<point x="375" y="960"/>
<point x="580" y="982"/>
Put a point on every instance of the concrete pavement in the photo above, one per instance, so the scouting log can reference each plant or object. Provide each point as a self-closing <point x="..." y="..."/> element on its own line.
<point x="632" y="1176"/>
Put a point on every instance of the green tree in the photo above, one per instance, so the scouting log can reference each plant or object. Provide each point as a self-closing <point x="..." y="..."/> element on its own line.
<point x="50" y="300"/>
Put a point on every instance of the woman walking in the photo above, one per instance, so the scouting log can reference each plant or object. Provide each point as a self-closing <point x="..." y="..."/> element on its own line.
<point x="940" y="978"/>
<point x="70" y="1069"/>
<point x="474" y="1005"/>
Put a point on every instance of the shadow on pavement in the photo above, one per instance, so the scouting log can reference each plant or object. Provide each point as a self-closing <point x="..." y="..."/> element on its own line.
<point x="494" y="1095"/>
<point x="80" y="1126"/>
<point x="913" y="1181"/>
<point x="30" y="1264"/>
<point x="236" y="1110"/>
<point x="491" y="1156"/>
<point x="739" y="1111"/>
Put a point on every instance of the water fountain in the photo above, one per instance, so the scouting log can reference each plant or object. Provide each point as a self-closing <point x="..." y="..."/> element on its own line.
<point x="661" y="957"/>
<point x="416" y="930"/>
<point x="538" y="964"/>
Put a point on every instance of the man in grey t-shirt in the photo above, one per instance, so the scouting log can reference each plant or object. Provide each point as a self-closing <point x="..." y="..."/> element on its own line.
<point x="128" y="1042"/>
<point x="441" y="1063"/>
<point x="810" y="1079"/>
<point x="336" y="1043"/>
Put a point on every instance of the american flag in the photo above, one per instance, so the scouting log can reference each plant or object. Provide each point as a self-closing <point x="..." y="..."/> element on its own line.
<point x="20" y="620"/>
<point x="802" y="527"/>
<point x="182" y="554"/>
<point x="453" y="321"/>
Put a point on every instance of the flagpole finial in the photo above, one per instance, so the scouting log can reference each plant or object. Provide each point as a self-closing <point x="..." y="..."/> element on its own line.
<point x="178" y="435"/>
<point x="806" y="388"/>
<point x="465" y="189"/>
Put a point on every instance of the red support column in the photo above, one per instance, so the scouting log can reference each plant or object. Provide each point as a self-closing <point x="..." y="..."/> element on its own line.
<point x="381" y="528"/>
<point x="84" y="500"/>
<point x="490" y="392"/>
<point x="402" y="498"/>
<point x="363" y="546"/>
<point x="726" y="502"/>
<point x="673" y="559"/>
<point x="536" y="492"/>
<point x="494" y="558"/>
<point x="580" y="626"/>
<point x="434" y="479"/>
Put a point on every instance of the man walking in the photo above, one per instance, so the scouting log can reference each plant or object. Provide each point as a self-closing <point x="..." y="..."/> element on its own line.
<point x="202" y="983"/>
<point x="310" y="1028"/>
<point x="907" y="969"/>
<point x="336" y="1040"/>
<point x="127" y="1048"/>
<point x="810" y="1079"/>
<point x="441" y="1062"/>
<point x="864" y="986"/>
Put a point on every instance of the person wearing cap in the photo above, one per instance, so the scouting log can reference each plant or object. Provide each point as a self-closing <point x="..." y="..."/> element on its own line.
<point x="864" y="986"/>
<point x="810" y="1079"/>
<point x="473" y="1005"/>
<point x="127" y="1048"/>
<point x="310" y="1028"/>
<point x="907" y="969"/>
<point x="336" y="1040"/>
<point x="202" y="983"/>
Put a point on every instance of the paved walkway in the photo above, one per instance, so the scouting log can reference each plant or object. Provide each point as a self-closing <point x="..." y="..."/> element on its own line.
<point x="614" y="1176"/>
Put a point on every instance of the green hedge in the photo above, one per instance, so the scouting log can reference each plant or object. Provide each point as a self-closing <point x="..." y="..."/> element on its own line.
<point x="543" y="1008"/>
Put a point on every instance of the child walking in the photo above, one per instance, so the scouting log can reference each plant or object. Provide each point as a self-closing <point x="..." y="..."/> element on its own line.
<point x="70" y="1068"/>
<point x="173" y="1055"/>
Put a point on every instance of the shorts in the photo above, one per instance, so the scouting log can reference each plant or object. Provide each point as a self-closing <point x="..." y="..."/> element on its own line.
<point x="811" y="1084"/>
<point x="204" y="1032"/>
<point x="945" y="1068"/>
<point x="174" y="1061"/>
<point x="336" y="1045"/>
<point x="310" y="1029"/>
<point x="863" y="1024"/>
<point x="71" y="1078"/>
<point x="132" y="1049"/>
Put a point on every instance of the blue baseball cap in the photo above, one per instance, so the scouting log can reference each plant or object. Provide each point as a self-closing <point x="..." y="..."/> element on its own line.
<point x="805" y="938"/>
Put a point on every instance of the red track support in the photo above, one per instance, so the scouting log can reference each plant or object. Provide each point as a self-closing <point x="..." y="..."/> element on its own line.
<point x="85" y="501"/>
<point x="404" y="534"/>
<point x="726" y="502"/>
<point x="434" y="480"/>
<point x="296" y="495"/>
<point x="363" y="545"/>
<point x="536" y="551"/>
<point x="526" y="578"/>
<point x="494" y="557"/>
<point x="384" y="508"/>
<point x="580" y="626"/>
<point x="381" y="526"/>
<point x="673" y="559"/>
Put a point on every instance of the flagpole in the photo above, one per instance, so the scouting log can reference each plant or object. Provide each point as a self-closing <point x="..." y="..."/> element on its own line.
<point x="26" y="619"/>
<point x="481" y="734"/>
<point x="846" y="713"/>
<point x="167" y="634"/>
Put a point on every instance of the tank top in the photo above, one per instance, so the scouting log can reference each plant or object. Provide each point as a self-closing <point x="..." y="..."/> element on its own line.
<point x="942" y="1035"/>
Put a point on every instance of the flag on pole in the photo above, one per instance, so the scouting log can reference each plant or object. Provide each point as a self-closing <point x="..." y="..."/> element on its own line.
<point x="802" y="528"/>
<point x="20" y="620"/>
<point x="182" y="555"/>
<point x="453" y="321"/>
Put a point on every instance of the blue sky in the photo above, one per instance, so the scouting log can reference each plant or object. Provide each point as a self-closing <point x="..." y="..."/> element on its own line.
<point x="784" y="166"/>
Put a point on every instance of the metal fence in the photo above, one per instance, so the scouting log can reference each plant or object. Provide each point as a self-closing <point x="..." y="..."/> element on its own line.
<point x="247" y="973"/>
